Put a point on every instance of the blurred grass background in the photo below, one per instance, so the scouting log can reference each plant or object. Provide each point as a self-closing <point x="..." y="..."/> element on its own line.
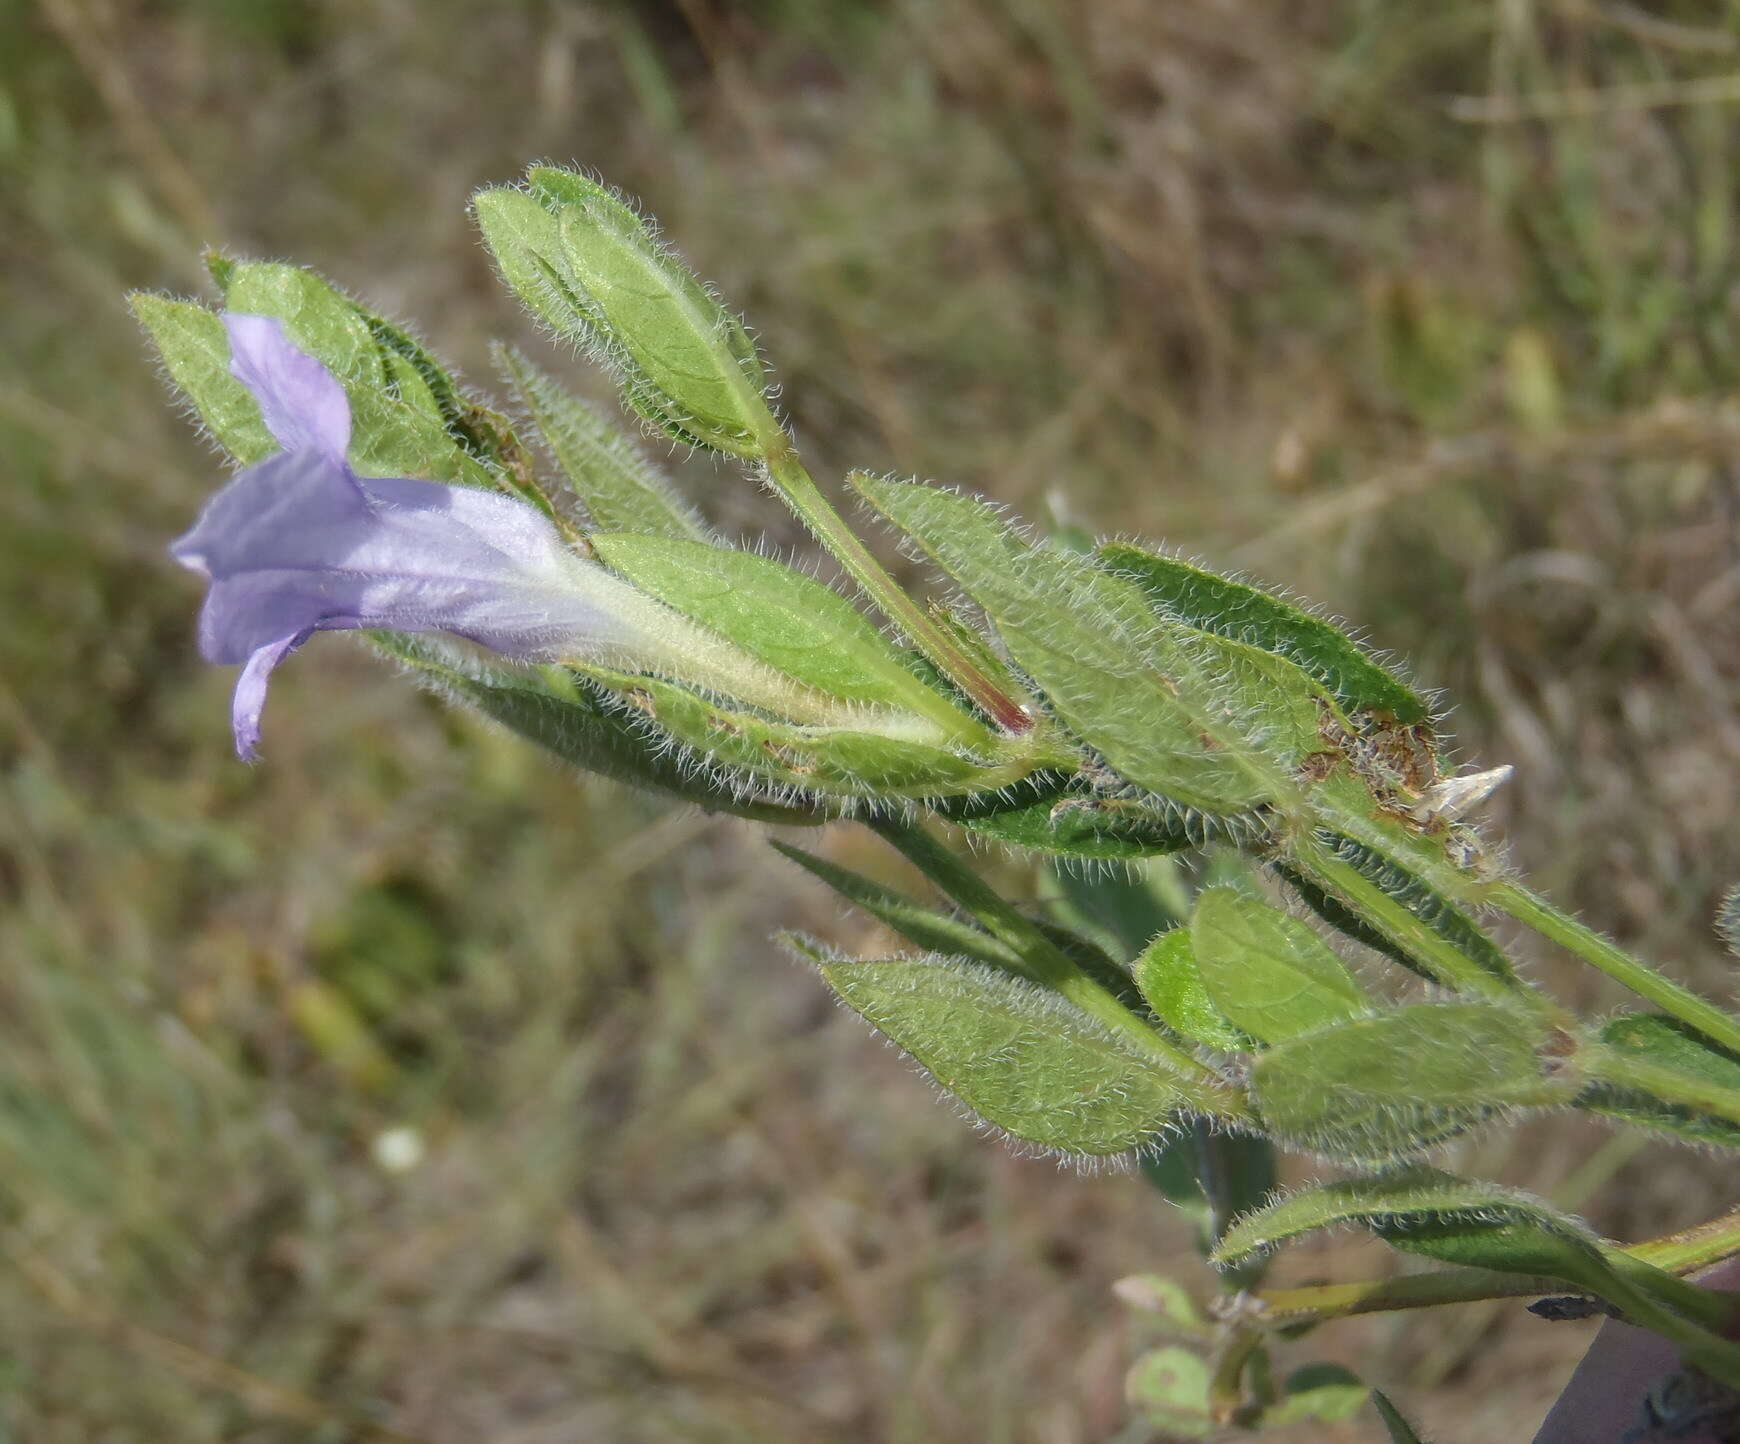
<point x="404" y="1088"/>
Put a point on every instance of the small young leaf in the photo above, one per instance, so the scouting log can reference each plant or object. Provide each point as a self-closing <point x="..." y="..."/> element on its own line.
<point x="1214" y="724"/>
<point x="1371" y="1090"/>
<point x="577" y="728"/>
<point x="1728" y="920"/>
<point x="1267" y="973"/>
<point x="1399" y="1200"/>
<point x="1170" y="1386"/>
<point x="685" y="361"/>
<point x="791" y="622"/>
<point x="1166" y="972"/>
<point x="1168" y="1299"/>
<point x="1666" y="1043"/>
<point x="1018" y="1056"/>
<point x="622" y="489"/>
<point x="1248" y="614"/>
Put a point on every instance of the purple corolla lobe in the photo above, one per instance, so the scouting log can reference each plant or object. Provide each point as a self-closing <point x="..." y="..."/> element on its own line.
<point x="299" y="544"/>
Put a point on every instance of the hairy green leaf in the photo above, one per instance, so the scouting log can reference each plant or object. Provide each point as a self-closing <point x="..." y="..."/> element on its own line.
<point x="1215" y="724"/>
<point x="1379" y="1088"/>
<point x="1017" y="1055"/>
<point x="575" y="726"/>
<point x="1397" y="1429"/>
<point x="1248" y="614"/>
<point x="1325" y="1393"/>
<point x="1402" y="1199"/>
<point x="793" y="623"/>
<point x="196" y="353"/>
<point x="1432" y="908"/>
<point x="686" y="362"/>
<point x="622" y="489"/>
<point x="847" y="759"/>
<point x="1269" y="974"/>
<point x="1167" y="974"/>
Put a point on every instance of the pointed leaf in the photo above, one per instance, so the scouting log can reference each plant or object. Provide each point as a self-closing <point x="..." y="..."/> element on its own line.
<point x="792" y="622"/>
<point x="622" y="489"/>
<point x="1166" y="972"/>
<point x="577" y="728"/>
<point x="1166" y="1298"/>
<point x="849" y="759"/>
<point x="1413" y="893"/>
<point x="939" y="932"/>
<point x="1376" y="1089"/>
<point x="1404" y="1199"/>
<point x="1017" y="1055"/>
<point x="684" y="359"/>
<point x="1246" y="613"/>
<point x="1068" y="821"/>
<point x="1214" y="724"/>
<point x="1666" y="1043"/>
<point x="196" y="353"/>
<point x="1269" y="974"/>
<point x="1396" y="1428"/>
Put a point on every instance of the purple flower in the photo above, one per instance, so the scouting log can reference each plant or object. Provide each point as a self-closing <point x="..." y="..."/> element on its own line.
<point x="300" y="544"/>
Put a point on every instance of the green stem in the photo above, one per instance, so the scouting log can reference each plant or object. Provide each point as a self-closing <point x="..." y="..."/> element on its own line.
<point x="1448" y="963"/>
<point x="789" y="478"/>
<point x="1670" y="1085"/>
<point x="1050" y="966"/>
<point x="1587" y="944"/>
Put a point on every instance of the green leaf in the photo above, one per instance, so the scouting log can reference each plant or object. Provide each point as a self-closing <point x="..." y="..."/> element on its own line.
<point x="1245" y="613"/>
<point x="1398" y="1429"/>
<point x="1413" y="893"/>
<point x="1017" y="1055"/>
<point x="577" y="728"/>
<point x="686" y="362"/>
<point x="1166" y="973"/>
<point x="1666" y="1043"/>
<point x="793" y="623"/>
<point x="1401" y="1200"/>
<point x="1069" y="821"/>
<point x="939" y="932"/>
<point x="1214" y="724"/>
<point x="843" y="760"/>
<point x="1170" y="1386"/>
<point x="1269" y="974"/>
<point x="196" y="353"/>
<point x="524" y="240"/>
<point x="1324" y="1393"/>
<point x="1379" y="1088"/>
<point x="622" y="489"/>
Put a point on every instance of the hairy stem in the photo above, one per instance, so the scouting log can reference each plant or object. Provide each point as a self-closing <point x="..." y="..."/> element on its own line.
<point x="1583" y="941"/>
<point x="788" y="477"/>
<point x="1049" y="965"/>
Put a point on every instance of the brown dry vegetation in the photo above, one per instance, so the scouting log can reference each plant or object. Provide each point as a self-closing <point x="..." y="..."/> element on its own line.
<point x="1422" y="309"/>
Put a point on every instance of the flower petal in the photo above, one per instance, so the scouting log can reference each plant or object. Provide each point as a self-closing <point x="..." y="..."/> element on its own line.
<point x="302" y="403"/>
<point x="250" y="696"/>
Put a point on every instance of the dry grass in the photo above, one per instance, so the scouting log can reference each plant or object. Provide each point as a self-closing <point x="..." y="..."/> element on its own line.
<point x="1424" y="310"/>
